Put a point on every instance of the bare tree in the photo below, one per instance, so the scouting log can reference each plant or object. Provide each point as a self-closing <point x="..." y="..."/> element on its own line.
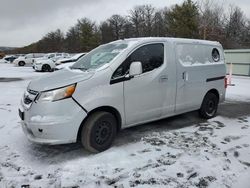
<point x="149" y="14"/>
<point x="211" y="18"/>
<point x="158" y="24"/>
<point x="237" y="28"/>
<point x="136" y="18"/>
<point x="106" y="32"/>
<point x="72" y="40"/>
<point x="117" y="24"/>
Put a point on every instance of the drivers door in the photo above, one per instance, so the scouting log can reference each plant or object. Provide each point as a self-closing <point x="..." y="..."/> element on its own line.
<point x="145" y="94"/>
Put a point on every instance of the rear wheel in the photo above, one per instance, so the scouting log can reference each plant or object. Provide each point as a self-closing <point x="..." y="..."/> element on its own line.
<point x="209" y="106"/>
<point x="46" y="68"/>
<point x="99" y="131"/>
<point x="21" y="63"/>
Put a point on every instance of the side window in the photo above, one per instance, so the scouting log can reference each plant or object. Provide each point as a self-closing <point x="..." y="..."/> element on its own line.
<point x="151" y="56"/>
<point x="51" y="56"/>
<point x="29" y="56"/>
<point x="197" y="54"/>
<point x="216" y="54"/>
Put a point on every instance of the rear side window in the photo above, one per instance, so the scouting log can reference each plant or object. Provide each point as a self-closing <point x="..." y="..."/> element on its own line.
<point x="38" y="55"/>
<point x="197" y="54"/>
<point x="216" y="55"/>
<point x="151" y="56"/>
<point x="29" y="56"/>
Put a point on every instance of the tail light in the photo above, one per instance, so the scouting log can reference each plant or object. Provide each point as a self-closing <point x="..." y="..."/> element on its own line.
<point x="225" y="82"/>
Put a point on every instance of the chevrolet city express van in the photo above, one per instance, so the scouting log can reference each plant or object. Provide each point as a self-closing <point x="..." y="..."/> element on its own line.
<point x="122" y="84"/>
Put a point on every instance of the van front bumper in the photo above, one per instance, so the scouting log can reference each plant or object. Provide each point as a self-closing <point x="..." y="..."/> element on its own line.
<point x="52" y="123"/>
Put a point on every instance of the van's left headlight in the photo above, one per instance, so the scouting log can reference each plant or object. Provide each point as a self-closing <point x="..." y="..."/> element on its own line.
<point x="57" y="94"/>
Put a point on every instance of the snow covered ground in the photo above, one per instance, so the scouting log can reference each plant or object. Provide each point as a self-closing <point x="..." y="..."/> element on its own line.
<point x="182" y="151"/>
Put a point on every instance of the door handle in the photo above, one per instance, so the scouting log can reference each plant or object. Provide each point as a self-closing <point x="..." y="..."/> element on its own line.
<point x="185" y="76"/>
<point x="163" y="78"/>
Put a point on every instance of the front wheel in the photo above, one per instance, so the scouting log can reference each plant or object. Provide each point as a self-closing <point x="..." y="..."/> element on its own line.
<point x="209" y="106"/>
<point x="46" y="68"/>
<point x="21" y="63"/>
<point x="99" y="131"/>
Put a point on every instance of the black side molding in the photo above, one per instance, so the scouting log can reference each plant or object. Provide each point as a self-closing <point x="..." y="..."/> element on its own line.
<point x="215" y="78"/>
<point x="120" y="79"/>
<point x="80" y="105"/>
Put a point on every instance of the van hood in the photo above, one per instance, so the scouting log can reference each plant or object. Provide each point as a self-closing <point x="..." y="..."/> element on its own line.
<point x="59" y="79"/>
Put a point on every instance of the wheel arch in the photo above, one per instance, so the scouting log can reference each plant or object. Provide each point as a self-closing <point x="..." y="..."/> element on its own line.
<point x="214" y="91"/>
<point x="46" y="64"/>
<point x="109" y="109"/>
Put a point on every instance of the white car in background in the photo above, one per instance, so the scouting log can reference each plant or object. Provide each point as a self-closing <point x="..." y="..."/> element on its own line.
<point x="27" y="59"/>
<point x="49" y="63"/>
<point x="67" y="62"/>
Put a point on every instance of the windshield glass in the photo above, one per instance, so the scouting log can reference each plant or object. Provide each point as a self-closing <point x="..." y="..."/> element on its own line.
<point x="102" y="55"/>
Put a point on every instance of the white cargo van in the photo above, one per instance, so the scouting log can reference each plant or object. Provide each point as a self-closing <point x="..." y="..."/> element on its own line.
<point x="122" y="84"/>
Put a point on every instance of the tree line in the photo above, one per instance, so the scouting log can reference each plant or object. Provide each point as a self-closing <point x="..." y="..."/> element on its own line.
<point x="204" y="19"/>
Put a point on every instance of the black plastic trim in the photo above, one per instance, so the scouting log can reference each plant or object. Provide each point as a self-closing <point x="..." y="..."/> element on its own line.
<point x="121" y="79"/>
<point x="215" y="78"/>
<point x="21" y="114"/>
<point x="79" y="105"/>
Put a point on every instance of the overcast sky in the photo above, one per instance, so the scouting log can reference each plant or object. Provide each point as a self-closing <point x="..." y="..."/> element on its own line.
<point x="25" y="21"/>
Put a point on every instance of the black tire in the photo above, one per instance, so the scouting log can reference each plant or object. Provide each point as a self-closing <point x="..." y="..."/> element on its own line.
<point x="209" y="106"/>
<point x="21" y="63"/>
<point x="99" y="131"/>
<point x="46" y="68"/>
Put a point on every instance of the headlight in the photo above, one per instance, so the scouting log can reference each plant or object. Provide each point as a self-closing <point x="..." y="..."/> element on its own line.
<point x="57" y="94"/>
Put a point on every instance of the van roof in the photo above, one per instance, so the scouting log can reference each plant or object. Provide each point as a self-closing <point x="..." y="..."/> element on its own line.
<point x="170" y="39"/>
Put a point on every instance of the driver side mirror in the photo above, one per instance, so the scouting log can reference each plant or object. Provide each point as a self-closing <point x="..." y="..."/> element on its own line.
<point x="135" y="68"/>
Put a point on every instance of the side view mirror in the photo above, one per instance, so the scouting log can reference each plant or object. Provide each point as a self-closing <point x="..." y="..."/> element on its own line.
<point x="135" y="68"/>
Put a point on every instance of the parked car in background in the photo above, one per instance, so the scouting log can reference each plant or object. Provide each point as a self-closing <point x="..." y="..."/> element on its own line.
<point x="74" y="58"/>
<point x="63" y="63"/>
<point x="49" y="63"/>
<point x="122" y="84"/>
<point x="45" y="57"/>
<point x="8" y="59"/>
<point x="27" y="59"/>
<point x="3" y="61"/>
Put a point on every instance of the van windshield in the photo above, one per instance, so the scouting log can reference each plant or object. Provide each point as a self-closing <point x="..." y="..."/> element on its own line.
<point x="102" y="55"/>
